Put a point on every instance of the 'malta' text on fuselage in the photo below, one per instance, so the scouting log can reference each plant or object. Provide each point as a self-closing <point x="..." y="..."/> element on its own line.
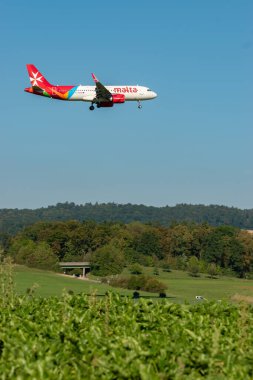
<point x="125" y="89"/>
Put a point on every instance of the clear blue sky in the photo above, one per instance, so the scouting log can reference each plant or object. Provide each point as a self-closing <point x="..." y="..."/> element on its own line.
<point x="192" y="144"/>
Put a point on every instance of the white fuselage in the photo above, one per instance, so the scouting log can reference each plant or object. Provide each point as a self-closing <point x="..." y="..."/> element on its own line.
<point x="88" y="93"/>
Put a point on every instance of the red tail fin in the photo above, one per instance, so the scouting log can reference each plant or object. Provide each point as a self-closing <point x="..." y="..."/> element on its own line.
<point x="36" y="78"/>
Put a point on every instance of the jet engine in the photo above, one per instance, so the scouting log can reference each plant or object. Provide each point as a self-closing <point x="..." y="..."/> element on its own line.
<point x="118" y="98"/>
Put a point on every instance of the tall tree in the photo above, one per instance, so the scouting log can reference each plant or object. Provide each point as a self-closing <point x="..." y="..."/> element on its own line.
<point x="107" y="260"/>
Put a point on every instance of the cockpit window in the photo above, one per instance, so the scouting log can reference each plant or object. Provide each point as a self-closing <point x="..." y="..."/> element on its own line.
<point x="149" y="89"/>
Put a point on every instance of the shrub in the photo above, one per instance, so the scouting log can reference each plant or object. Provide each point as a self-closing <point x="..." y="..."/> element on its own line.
<point x="193" y="266"/>
<point x="181" y="262"/>
<point x="36" y="255"/>
<point x="166" y="267"/>
<point x="135" y="269"/>
<point x="212" y="270"/>
<point x="76" y="271"/>
<point x="153" y="285"/>
<point x="139" y="282"/>
<point x="135" y="282"/>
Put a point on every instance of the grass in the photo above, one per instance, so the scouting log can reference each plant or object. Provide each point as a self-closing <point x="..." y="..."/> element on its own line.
<point x="185" y="288"/>
<point x="181" y="287"/>
<point x="48" y="283"/>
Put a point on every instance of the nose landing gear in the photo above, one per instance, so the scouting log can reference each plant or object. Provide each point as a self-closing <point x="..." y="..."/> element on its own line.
<point x="139" y="105"/>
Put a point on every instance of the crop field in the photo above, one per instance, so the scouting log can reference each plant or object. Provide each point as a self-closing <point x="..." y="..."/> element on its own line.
<point x="70" y="335"/>
<point x="181" y="286"/>
<point x="77" y="337"/>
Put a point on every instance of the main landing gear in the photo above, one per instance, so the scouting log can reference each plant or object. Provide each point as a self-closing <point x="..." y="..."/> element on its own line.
<point x="92" y="106"/>
<point x="139" y="105"/>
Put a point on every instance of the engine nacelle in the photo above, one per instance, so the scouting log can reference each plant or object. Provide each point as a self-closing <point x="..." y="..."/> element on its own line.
<point x="118" y="98"/>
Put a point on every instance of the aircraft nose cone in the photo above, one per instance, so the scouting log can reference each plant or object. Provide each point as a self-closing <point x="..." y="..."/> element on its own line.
<point x="154" y="94"/>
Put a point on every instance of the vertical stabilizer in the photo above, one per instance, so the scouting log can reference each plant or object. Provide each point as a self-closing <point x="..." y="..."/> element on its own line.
<point x="36" y="78"/>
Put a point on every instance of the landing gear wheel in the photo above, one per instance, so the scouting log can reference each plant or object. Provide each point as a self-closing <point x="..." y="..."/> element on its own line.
<point x="92" y="108"/>
<point x="139" y="105"/>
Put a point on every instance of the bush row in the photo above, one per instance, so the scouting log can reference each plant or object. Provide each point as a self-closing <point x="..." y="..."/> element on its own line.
<point x="138" y="282"/>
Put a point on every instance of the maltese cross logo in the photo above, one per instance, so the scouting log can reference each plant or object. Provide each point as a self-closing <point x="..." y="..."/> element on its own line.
<point x="35" y="80"/>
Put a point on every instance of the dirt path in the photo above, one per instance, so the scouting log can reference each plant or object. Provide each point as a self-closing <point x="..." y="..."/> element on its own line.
<point x="78" y="278"/>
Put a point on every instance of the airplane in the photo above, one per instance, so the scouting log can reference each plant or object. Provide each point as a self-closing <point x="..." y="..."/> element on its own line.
<point x="100" y="95"/>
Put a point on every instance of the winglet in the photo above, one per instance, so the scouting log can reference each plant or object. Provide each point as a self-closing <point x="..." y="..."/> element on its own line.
<point x="94" y="78"/>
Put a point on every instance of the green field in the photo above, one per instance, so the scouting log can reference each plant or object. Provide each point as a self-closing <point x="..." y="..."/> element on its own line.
<point x="184" y="287"/>
<point x="181" y="286"/>
<point x="52" y="284"/>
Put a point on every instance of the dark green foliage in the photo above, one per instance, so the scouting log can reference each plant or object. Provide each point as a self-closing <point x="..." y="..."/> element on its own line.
<point x="139" y="282"/>
<point x="45" y="243"/>
<point x="5" y="240"/>
<point x="106" y="261"/>
<point x="223" y="248"/>
<point x="120" y="338"/>
<point x="135" y="269"/>
<point x="36" y="255"/>
<point x="148" y="243"/>
<point x="14" y="220"/>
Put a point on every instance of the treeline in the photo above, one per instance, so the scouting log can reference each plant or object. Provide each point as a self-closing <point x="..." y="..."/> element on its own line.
<point x="14" y="220"/>
<point x="112" y="246"/>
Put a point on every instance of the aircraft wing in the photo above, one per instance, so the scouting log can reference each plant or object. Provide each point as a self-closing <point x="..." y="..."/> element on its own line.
<point x="102" y="94"/>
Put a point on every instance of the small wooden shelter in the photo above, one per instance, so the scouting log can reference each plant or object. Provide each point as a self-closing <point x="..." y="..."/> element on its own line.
<point x="85" y="266"/>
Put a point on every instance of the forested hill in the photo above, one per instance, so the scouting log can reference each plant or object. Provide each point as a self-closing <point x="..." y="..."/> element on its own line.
<point x="13" y="220"/>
